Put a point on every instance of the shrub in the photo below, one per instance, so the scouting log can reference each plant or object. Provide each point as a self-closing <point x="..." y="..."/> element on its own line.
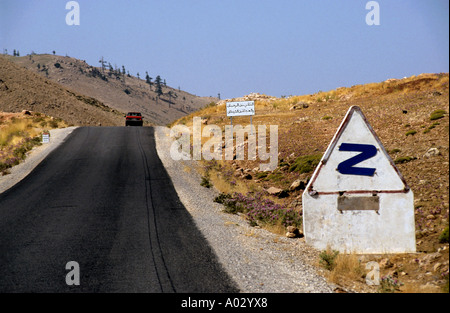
<point x="388" y="284"/>
<point x="222" y="197"/>
<point x="3" y="168"/>
<point x="261" y="175"/>
<point x="305" y="164"/>
<point x="443" y="238"/>
<point x="275" y="177"/>
<point x="230" y="203"/>
<point x="431" y="127"/>
<point x="437" y="114"/>
<point x="259" y="210"/>
<point x="401" y="160"/>
<point x="205" y="182"/>
<point x="328" y="259"/>
<point x="53" y="123"/>
<point x="411" y="132"/>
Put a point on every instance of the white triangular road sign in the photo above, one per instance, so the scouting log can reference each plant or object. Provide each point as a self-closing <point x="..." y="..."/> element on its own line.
<point x="356" y="162"/>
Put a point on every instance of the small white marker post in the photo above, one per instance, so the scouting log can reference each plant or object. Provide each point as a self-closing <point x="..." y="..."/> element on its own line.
<point x="45" y="137"/>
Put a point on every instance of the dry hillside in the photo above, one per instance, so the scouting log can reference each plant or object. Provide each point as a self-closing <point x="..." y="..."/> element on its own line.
<point x="120" y="92"/>
<point x="21" y="89"/>
<point x="409" y="115"/>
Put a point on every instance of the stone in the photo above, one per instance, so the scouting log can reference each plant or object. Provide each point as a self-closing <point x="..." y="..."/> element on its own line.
<point x="274" y="190"/>
<point x="293" y="232"/>
<point x="297" y="185"/>
<point x="295" y="203"/>
<point x="431" y="152"/>
<point x="284" y="168"/>
<point x="386" y="263"/>
<point x="429" y="258"/>
<point x="436" y="267"/>
<point x="290" y="235"/>
<point x="292" y="229"/>
<point x="299" y="105"/>
<point x="301" y="120"/>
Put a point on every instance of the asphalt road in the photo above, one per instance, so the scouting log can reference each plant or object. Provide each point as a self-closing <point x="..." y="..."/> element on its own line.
<point x="104" y="200"/>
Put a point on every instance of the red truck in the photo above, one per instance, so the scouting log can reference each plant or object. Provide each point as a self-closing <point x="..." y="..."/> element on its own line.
<point x="134" y="118"/>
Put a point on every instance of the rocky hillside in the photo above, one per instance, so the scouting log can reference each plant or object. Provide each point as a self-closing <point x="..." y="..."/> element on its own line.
<point x="411" y="118"/>
<point x="22" y="89"/>
<point x="114" y="88"/>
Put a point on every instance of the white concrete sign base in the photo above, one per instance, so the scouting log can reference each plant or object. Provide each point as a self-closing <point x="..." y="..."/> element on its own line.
<point x="357" y="201"/>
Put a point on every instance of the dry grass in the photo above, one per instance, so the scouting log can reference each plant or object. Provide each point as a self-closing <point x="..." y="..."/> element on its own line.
<point x="14" y="131"/>
<point x="347" y="268"/>
<point x="224" y="184"/>
<point x="415" y="288"/>
<point x="17" y="127"/>
<point x="277" y="229"/>
<point x="19" y="133"/>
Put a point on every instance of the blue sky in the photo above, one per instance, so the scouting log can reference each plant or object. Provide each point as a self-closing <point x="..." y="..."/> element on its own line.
<point x="235" y="47"/>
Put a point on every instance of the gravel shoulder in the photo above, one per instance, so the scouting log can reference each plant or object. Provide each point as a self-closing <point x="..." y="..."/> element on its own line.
<point x="35" y="156"/>
<point x="257" y="260"/>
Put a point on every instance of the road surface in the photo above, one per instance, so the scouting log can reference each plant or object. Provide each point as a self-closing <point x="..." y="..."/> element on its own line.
<point x="104" y="200"/>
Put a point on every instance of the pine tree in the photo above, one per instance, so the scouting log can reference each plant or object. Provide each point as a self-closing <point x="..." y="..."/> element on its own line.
<point x="102" y="62"/>
<point x="148" y="79"/>
<point x="159" y="91"/>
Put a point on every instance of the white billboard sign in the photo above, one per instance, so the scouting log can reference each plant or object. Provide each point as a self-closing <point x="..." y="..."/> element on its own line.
<point x="241" y="108"/>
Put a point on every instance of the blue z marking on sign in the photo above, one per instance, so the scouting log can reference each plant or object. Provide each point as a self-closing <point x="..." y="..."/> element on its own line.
<point x="348" y="166"/>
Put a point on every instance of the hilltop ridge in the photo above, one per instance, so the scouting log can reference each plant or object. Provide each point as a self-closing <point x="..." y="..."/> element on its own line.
<point x="21" y="89"/>
<point x="115" y="88"/>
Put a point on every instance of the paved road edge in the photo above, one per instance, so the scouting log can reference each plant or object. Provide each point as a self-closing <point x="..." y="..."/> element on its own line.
<point x="36" y="156"/>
